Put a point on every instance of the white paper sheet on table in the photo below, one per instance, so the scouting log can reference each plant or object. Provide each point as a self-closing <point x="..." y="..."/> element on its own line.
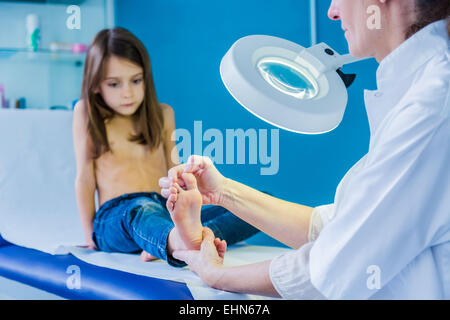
<point x="238" y="254"/>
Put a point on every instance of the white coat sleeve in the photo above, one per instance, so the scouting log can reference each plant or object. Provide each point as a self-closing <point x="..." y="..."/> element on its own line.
<point x="320" y="217"/>
<point x="290" y="275"/>
<point x="390" y="211"/>
<point x="289" y="272"/>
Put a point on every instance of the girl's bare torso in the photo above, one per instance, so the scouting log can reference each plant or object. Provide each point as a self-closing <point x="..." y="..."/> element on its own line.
<point x="128" y="167"/>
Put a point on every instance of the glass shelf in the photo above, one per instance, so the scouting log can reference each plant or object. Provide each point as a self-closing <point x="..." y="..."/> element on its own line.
<point x="46" y="1"/>
<point x="41" y="56"/>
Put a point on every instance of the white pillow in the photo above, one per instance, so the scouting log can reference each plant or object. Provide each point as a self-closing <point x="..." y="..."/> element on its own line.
<point x="37" y="173"/>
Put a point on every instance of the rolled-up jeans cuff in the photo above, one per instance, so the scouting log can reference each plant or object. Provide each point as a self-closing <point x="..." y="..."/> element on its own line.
<point x="175" y="262"/>
<point x="162" y="251"/>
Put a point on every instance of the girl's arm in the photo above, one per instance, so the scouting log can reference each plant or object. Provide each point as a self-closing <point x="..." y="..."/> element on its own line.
<point x="85" y="183"/>
<point x="170" y="149"/>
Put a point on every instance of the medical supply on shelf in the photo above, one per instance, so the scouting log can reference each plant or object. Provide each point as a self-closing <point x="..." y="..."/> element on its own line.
<point x="60" y="46"/>
<point x="59" y="108"/>
<point x="68" y="47"/>
<point x="33" y="32"/>
<point x="21" y="103"/>
<point x="79" y="48"/>
<point x="2" y="96"/>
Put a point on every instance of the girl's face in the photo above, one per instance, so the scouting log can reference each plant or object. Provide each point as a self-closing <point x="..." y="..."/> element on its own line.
<point x="355" y="18"/>
<point x="123" y="86"/>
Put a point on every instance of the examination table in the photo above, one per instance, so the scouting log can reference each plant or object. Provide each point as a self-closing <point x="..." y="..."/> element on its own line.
<point x="51" y="273"/>
<point x="41" y="232"/>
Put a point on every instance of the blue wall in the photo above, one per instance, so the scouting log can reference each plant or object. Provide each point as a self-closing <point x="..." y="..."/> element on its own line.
<point x="186" y="41"/>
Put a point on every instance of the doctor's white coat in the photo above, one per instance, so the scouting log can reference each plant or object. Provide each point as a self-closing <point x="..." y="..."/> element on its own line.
<point x="387" y="234"/>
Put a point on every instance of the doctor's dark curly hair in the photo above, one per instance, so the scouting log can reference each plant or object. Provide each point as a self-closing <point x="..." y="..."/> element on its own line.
<point x="429" y="11"/>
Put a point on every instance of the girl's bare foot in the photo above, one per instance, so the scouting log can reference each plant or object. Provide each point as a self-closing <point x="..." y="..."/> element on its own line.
<point x="185" y="209"/>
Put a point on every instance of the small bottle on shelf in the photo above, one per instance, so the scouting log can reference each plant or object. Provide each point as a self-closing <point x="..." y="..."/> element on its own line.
<point x="33" y="32"/>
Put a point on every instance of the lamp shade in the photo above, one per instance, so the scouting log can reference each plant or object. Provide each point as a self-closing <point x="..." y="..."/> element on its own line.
<point x="294" y="88"/>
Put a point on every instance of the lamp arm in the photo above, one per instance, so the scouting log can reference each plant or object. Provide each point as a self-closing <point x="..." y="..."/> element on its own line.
<point x="348" y="58"/>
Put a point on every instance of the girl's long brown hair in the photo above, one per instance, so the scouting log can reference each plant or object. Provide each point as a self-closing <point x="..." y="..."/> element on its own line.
<point x="148" y="119"/>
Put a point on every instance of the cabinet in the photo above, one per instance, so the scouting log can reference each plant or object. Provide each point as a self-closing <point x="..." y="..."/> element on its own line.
<point x="47" y="79"/>
<point x="43" y="79"/>
<point x="76" y="2"/>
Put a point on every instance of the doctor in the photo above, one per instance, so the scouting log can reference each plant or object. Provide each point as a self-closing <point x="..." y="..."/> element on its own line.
<point x="387" y="234"/>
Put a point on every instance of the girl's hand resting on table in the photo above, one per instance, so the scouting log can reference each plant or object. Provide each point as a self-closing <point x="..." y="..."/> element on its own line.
<point x="89" y="245"/>
<point x="210" y="181"/>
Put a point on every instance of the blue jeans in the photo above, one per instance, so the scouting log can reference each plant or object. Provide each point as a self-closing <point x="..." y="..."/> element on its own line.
<point x="140" y="221"/>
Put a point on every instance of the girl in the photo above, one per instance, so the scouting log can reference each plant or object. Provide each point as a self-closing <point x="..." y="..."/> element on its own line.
<point x="122" y="146"/>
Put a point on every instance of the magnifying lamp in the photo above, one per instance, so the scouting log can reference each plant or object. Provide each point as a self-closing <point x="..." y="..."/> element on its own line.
<point x="294" y="88"/>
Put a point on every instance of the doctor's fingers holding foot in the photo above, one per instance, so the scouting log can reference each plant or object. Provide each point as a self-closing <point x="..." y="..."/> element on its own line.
<point x="210" y="181"/>
<point x="174" y="175"/>
<point x="207" y="261"/>
<point x="190" y="181"/>
<point x="177" y="181"/>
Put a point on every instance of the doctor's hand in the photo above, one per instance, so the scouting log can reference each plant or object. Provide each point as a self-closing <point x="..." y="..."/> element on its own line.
<point x="207" y="262"/>
<point x="210" y="181"/>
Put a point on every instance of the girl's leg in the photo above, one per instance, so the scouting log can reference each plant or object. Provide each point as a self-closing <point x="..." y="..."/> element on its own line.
<point x="132" y="223"/>
<point x="149" y="227"/>
<point x="110" y="227"/>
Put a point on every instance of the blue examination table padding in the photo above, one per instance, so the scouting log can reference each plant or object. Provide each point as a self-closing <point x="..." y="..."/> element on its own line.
<point x="51" y="273"/>
<point x="3" y="242"/>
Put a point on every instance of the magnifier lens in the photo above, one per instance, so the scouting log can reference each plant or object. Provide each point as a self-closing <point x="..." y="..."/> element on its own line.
<point x="288" y="77"/>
